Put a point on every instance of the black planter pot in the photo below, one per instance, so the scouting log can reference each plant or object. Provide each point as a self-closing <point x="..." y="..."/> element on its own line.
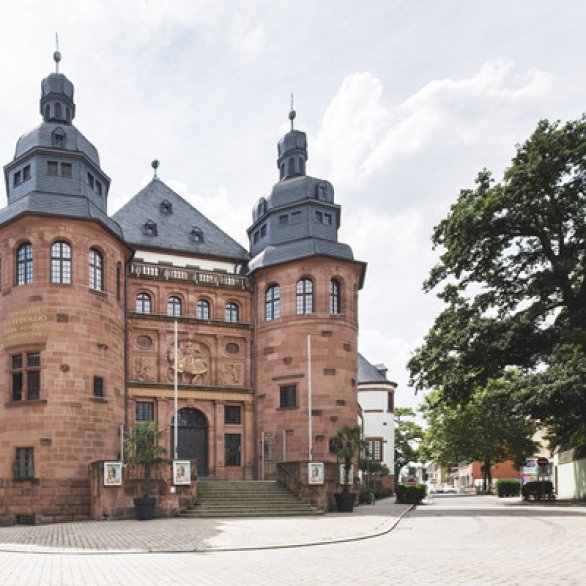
<point x="345" y="501"/>
<point x="144" y="508"/>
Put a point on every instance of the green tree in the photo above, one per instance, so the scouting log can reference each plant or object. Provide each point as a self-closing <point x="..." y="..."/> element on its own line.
<point x="485" y="429"/>
<point x="348" y="444"/>
<point x="512" y="271"/>
<point x="408" y="436"/>
<point x="143" y="451"/>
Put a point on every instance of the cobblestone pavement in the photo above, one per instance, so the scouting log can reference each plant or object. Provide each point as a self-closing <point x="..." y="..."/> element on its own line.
<point x="450" y="540"/>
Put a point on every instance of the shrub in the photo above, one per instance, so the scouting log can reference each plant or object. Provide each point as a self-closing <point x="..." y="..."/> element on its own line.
<point x="508" y="487"/>
<point x="537" y="489"/>
<point x="411" y="494"/>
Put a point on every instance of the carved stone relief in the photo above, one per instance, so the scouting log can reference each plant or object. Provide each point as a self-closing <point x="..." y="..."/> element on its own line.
<point x="233" y="374"/>
<point x="142" y="365"/>
<point x="191" y="362"/>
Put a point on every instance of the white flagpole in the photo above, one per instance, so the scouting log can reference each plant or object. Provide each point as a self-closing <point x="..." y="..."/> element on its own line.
<point x="309" y="426"/>
<point x="175" y="361"/>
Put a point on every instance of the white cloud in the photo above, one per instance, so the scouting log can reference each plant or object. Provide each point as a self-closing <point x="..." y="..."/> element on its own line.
<point x="361" y="135"/>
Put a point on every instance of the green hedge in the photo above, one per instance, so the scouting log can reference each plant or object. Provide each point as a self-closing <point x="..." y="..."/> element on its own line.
<point x="538" y="489"/>
<point x="507" y="488"/>
<point x="411" y="494"/>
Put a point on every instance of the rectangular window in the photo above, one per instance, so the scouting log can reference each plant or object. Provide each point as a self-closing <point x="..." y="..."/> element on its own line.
<point x="232" y="415"/>
<point x="52" y="168"/>
<point x="319" y="217"/>
<point x="98" y="188"/>
<point x="26" y="173"/>
<point x="25" y="374"/>
<point x="327" y="219"/>
<point x="375" y="449"/>
<point x="25" y="464"/>
<point x="288" y="397"/>
<point x="145" y="411"/>
<point x="17" y="179"/>
<point x="283" y="220"/>
<point x="90" y="180"/>
<point x="391" y="402"/>
<point x="263" y="231"/>
<point x="232" y="449"/>
<point x="98" y="386"/>
<point x="296" y="218"/>
<point x="65" y="169"/>
<point x="255" y="237"/>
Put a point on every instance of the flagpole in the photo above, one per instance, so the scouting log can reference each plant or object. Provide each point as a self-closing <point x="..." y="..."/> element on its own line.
<point x="309" y="390"/>
<point x="175" y="360"/>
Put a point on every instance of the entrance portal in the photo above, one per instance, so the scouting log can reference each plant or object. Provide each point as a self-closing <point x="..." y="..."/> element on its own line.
<point x="192" y="438"/>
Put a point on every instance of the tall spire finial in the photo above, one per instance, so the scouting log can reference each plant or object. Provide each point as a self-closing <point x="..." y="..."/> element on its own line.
<point x="56" y="54"/>
<point x="292" y="112"/>
<point x="155" y="166"/>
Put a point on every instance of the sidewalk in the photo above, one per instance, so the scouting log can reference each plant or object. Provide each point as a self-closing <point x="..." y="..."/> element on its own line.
<point x="203" y="535"/>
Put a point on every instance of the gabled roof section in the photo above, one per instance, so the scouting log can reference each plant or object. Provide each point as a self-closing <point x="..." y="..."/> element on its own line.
<point x="175" y="222"/>
<point x="368" y="373"/>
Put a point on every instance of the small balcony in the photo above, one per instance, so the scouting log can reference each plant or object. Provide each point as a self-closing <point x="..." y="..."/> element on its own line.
<point x="192" y="275"/>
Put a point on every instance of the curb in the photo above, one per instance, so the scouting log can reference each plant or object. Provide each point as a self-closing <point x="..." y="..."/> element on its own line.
<point x="389" y="525"/>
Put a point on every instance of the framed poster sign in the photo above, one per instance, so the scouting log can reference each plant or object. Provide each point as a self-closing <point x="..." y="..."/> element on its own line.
<point x="113" y="473"/>
<point x="181" y="472"/>
<point x="315" y="473"/>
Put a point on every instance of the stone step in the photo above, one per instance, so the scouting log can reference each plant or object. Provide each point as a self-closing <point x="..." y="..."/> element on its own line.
<point x="224" y="498"/>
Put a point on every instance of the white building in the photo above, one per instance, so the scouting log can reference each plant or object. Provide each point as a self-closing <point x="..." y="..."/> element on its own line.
<point x="376" y="396"/>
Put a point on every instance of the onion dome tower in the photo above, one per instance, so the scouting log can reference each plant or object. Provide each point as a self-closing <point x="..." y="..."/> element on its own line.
<point x="62" y="317"/>
<point x="307" y="291"/>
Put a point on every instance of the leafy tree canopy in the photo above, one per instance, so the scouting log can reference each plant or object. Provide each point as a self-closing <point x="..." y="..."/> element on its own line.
<point x="485" y="429"/>
<point x="512" y="275"/>
<point x="408" y="436"/>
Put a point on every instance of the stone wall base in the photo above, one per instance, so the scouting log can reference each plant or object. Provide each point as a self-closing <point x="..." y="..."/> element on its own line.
<point x="41" y="501"/>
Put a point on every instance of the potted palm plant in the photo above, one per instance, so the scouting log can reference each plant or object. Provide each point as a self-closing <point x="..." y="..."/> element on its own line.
<point x="143" y="452"/>
<point x="347" y="444"/>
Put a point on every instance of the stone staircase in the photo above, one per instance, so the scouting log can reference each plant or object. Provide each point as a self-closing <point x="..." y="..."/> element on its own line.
<point x="247" y="498"/>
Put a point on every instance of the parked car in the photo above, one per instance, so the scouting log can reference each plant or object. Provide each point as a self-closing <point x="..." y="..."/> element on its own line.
<point x="447" y="488"/>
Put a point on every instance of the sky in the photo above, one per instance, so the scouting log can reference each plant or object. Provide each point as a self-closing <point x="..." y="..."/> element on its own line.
<point x="403" y="103"/>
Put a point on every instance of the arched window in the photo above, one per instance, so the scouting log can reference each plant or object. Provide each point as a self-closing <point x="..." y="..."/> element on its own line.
<point x="58" y="110"/>
<point x="290" y="167"/>
<point x="231" y="312"/>
<point x="335" y="299"/>
<point x="304" y="296"/>
<point x="273" y="303"/>
<point x="143" y="303"/>
<point x="61" y="263"/>
<point x="96" y="270"/>
<point x="47" y="112"/>
<point x="24" y="264"/>
<point x="174" y="306"/>
<point x="202" y="310"/>
<point x="301" y="166"/>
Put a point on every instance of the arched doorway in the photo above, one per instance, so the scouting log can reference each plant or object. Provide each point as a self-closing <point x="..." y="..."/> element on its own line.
<point x="192" y="438"/>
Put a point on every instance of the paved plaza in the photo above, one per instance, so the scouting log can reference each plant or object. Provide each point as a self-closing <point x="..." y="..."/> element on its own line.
<point x="449" y="540"/>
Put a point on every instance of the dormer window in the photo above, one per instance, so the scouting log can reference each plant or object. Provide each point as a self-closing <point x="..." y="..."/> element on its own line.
<point x="166" y="207"/>
<point x="150" y="228"/>
<point x="196" y="234"/>
<point x="58" y="138"/>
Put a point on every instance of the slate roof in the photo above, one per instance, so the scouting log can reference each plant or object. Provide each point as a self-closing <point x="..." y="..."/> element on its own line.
<point x="173" y="230"/>
<point x="42" y="136"/>
<point x="51" y="204"/>
<point x="368" y="373"/>
<point x="297" y="249"/>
